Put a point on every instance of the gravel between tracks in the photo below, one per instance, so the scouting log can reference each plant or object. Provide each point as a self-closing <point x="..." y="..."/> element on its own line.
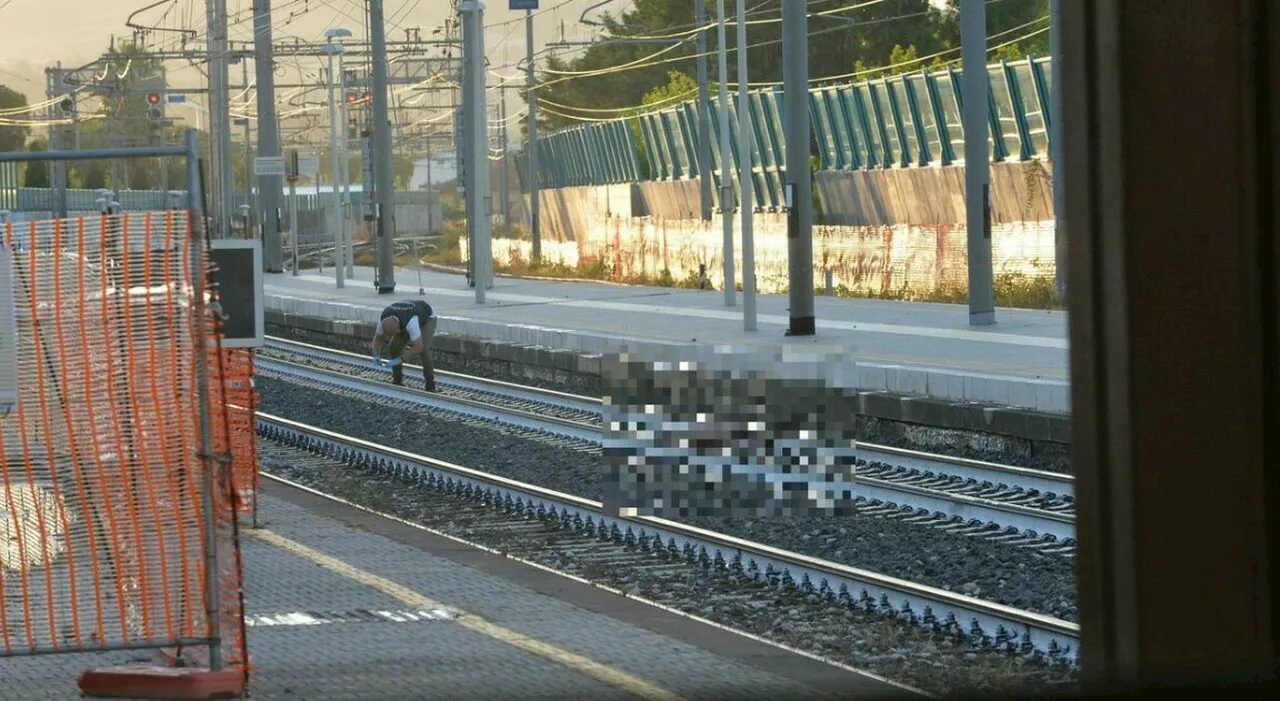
<point x="895" y="649"/>
<point x="964" y="444"/>
<point x="1012" y="576"/>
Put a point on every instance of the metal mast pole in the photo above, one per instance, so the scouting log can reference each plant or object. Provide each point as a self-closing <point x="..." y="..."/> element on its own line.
<point x="745" y="177"/>
<point x="339" y="269"/>
<point x="799" y="185"/>
<point x="382" y="166"/>
<point x="269" y="186"/>
<point x="977" y="160"/>
<point x="504" y="186"/>
<point x="344" y="171"/>
<point x="474" y="114"/>
<point x="219" y="118"/>
<point x="535" y="198"/>
<point x="726" y="173"/>
<point x="248" y="180"/>
<point x="1055" y="146"/>
<point x="704" y="111"/>
<point x="248" y="155"/>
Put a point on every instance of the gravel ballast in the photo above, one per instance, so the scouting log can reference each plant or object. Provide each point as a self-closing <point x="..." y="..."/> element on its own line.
<point x="1013" y="576"/>
<point x="905" y="652"/>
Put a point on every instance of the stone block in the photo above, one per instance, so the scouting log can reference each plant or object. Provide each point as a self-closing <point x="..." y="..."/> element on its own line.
<point x="880" y="405"/>
<point x="930" y="411"/>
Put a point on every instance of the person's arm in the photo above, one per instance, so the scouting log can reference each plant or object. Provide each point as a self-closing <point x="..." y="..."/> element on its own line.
<point x="415" y="335"/>
<point x="378" y="340"/>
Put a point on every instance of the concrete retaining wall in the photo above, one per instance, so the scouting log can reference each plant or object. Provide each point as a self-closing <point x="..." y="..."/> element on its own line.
<point x="909" y="262"/>
<point x="896" y="233"/>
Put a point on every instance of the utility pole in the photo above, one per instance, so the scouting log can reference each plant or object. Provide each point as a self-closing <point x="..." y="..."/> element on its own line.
<point x="726" y="172"/>
<point x="385" y="211"/>
<point x="268" y="139"/>
<point x="293" y="209"/>
<point x="248" y="156"/>
<point x="474" y="115"/>
<point x="462" y="136"/>
<point x="219" y="118"/>
<point x="531" y="95"/>
<point x="335" y="170"/>
<point x="431" y="198"/>
<point x="503" y="187"/>
<point x="1055" y="147"/>
<point x="977" y="160"/>
<point x="248" y="179"/>
<point x="704" y="110"/>
<point x="344" y="171"/>
<point x="745" y="171"/>
<point x="799" y="183"/>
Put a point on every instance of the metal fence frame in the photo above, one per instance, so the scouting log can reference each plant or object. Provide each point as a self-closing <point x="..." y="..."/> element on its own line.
<point x="194" y="203"/>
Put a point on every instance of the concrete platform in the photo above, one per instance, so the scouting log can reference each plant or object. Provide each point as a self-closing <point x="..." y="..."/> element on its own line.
<point x="907" y="348"/>
<point x="346" y="605"/>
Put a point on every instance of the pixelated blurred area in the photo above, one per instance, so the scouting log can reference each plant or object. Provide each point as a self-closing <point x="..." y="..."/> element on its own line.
<point x="731" y="433"/>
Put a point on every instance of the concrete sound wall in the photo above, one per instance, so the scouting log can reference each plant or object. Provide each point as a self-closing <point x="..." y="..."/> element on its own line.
<point x="932" y="196"/>
<point x="917" y="196"/>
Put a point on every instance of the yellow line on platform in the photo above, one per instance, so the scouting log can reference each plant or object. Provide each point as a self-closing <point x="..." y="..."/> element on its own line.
<point x="605" y="673"/>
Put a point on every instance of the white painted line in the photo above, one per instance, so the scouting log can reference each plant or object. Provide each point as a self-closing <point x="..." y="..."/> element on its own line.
<point x="610" y="675"/>
<point x="304" y="618"/>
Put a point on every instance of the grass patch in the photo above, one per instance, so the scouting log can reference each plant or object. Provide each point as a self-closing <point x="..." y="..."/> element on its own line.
<point x="1014" y="290"/>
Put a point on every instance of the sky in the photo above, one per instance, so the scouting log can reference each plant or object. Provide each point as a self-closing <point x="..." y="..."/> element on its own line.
<point x="38" y="33"/>
<point x="35" y="34"/>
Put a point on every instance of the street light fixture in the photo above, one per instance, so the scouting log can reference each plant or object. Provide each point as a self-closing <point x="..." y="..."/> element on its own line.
<point x="332" y="49"/>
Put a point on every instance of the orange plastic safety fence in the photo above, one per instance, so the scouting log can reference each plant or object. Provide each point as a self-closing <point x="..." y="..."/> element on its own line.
<point x="103" y="524"/>
<point x="233" y="401"/>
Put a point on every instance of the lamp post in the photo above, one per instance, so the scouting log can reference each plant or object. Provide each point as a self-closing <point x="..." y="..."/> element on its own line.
<point x="332" y="49"/>
<point x="343" y="176"/>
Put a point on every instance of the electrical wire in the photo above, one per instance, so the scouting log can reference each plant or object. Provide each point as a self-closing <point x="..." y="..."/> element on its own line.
<point x="852" y="75"/>
<point x="819" y="32"/>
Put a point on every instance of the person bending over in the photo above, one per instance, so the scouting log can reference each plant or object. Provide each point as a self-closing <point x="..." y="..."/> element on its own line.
<point x="410" y="322"/>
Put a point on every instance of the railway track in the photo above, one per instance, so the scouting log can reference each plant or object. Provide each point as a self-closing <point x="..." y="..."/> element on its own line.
<point x="647" y="540"/>
<point x="1017" y="506"/>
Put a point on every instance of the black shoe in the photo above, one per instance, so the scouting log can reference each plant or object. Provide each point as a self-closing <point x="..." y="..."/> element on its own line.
<point x="431" y="385"/>
<point x="397" y="375"/>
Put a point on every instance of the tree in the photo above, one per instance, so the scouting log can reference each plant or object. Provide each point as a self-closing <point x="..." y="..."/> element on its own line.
<point x="12" y="137"/>
<point x="93" y="176"/>
<point x="37" y="174"/>
<point x="900" y="36"/>
<point x="680" y="86"/>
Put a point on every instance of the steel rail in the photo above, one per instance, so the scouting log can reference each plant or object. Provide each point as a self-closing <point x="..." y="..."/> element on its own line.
<point x="940" y="484"/>
<point x="481" y="384"/>
<point x="1030" y="632"/>
<point x="586" y="433"/>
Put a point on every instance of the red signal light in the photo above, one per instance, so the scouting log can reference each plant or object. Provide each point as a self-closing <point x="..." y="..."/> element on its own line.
<point x="153" y="98"/>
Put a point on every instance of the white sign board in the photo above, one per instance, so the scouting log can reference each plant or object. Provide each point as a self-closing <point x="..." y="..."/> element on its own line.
<point x="308" y="164"/>
<point x="8" y="334"/>
<point x="269" y="165"/>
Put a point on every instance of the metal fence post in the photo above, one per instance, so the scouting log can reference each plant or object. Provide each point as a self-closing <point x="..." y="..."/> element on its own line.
<point x="199" y="280"/>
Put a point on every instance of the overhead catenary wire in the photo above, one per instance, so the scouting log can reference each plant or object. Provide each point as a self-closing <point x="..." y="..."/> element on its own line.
<point x="822" y="79"/>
